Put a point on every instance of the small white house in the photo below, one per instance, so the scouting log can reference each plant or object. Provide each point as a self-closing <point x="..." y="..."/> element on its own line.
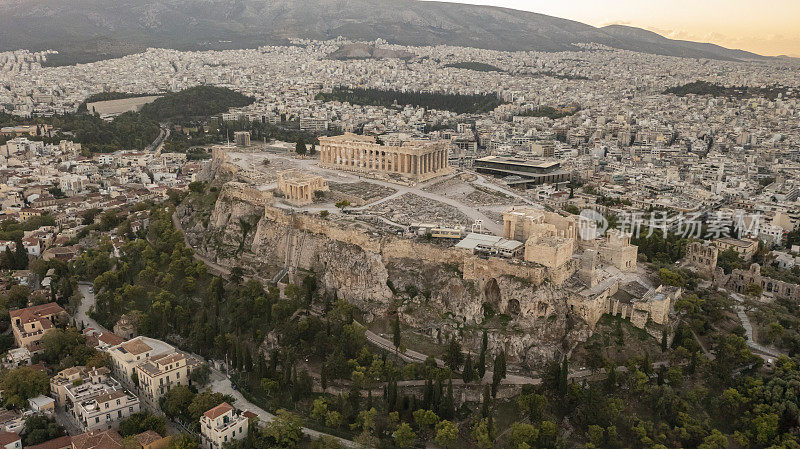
<point x="42" y="404"/>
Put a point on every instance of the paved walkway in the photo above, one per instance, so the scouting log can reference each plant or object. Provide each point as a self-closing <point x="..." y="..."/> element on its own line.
<point x="481" y="181"/>
<point x="748" y="329"/>
<point x="472" y="213"/>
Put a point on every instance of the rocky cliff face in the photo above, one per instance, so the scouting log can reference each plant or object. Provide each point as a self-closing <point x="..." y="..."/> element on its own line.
<point x="426" y="283"/>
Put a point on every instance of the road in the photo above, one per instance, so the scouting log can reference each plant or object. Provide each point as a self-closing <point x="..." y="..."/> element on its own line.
<point x="158" y="144"/>
<point x="82" y="313"/>
<point x="220" y="383"/>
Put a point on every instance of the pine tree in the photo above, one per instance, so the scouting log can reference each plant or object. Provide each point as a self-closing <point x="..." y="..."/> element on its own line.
<point x="664" y="340"/>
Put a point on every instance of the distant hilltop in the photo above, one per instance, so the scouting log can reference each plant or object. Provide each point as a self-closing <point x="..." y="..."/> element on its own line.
<point x="366" y="51"/>
<point x="84" y="30"/>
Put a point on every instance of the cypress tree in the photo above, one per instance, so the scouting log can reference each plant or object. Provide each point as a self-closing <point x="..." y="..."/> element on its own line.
<point x="499" y="371"/>
<point x="391" y="395"/>
<point x="468" y="372"/>
<point x="300" y="146"/>
<point x="448" y="407"/>
<point x="482" y="357"/>
<point x="10" y="262"/>
<point x="437" y="396"/>
<point x="427" y="395"/>
<point x="396" y="331"/>
<point x="562" y="377"/>
<point x="21" y="257"/>
<point x="486" y="407"/>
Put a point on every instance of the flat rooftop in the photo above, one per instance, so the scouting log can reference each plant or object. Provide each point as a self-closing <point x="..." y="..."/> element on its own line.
<point x="520" y="162"/>
<point x="472" y="240"/>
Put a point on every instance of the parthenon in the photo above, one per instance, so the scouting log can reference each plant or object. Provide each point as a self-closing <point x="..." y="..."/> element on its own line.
<point x="417" y="160"/>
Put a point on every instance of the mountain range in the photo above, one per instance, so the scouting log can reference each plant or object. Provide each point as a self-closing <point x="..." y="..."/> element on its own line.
<point x="83" y="30"/>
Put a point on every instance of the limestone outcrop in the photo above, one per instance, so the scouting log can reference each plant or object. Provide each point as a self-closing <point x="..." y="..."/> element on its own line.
<point x="440" y="291"/>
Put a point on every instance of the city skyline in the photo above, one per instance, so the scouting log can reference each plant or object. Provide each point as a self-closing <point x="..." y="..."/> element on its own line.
<point x="767" y="28"/>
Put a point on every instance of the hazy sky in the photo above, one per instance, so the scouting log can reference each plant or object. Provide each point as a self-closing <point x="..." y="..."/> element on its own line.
<point x="769" y="27"/>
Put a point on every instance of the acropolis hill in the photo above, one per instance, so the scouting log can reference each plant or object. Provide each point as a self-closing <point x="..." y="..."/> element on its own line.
<point x="518" y="261"/>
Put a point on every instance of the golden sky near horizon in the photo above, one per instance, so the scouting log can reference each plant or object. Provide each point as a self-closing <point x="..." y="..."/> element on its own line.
<point x="767" y="27"/>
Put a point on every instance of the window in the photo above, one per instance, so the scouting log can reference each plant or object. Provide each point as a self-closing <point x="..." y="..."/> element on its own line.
<point x="96" y="419"/>
<point x="108" y="416"/>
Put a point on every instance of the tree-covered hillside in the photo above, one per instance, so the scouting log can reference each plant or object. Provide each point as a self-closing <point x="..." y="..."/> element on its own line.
<point x="129" y="131"/>
<point x="200" y="101"/>
<point x="717" y="90"/>
<point x="461" y="104"/>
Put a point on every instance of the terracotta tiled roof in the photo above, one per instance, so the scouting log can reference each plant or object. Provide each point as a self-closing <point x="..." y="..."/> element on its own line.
<point x="218" y="411"/>
<point x="148" y="437"/>
<point x="111" y="339"/>
<point x="8" y="438"/>
<point x="136" y="346"/>
<point x="57" y="443"/>
<point x="44" y="309"/>
<point x="108" y="439"/>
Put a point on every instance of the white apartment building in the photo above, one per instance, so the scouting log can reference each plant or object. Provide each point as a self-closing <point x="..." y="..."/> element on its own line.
<point x="221" y="425"/>
<point x="314" y="124"/>
<point x="100" y="402"/>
